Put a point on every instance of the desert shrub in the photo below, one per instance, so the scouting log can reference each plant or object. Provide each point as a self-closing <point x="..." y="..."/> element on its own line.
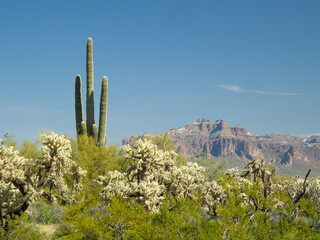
<point x="83" y="221"/>
<point x="30" y="150"/>
<point x="183" y="219"/>
<point x="20" y="228"/>
<point x="126" y="219"/>
<point x="96" y="160"/>
<point x="9" y="141"/>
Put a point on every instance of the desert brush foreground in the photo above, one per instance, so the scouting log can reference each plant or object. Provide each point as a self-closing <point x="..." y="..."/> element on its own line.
<point x="146" y="191"/>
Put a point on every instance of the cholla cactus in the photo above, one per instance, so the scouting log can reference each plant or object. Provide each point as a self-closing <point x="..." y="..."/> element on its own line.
<point x="152" y="173"/>
<point x="213" y="195"/>
<point x="148" y="161"/>
<point x="254" y="177"/>
<point x="258" y="170"/>
<point x="182" y="181"/>
<point x="257" y="176"/>
<point x="309" y="189"/>
<point x="17" y="189"/>
<point x="115" y="185"/>
<point x="313" y="192"/>
<point x="23" y="181"/>
<point x="292" y="188"/>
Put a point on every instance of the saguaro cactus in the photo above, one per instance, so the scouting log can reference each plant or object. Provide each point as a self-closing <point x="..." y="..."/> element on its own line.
<point x="89" y="127"/>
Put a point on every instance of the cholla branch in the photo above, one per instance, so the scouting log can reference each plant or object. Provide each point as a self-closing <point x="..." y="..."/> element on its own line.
<point x="304" y="188"/>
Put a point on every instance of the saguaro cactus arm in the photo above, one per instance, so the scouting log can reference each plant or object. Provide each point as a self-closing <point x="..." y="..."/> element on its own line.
<point x="78" y="104"/>
<point x="95" y="132"/>
<point x="103" y="112"/>
<point x="83" y="128"/>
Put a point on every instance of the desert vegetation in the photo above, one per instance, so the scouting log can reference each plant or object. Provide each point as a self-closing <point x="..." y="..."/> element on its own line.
<point x="75" y="189"/>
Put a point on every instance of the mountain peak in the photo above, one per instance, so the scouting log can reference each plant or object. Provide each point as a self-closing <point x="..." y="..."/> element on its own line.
<point x="218" y="139"/>
<point x="200" y="121"/>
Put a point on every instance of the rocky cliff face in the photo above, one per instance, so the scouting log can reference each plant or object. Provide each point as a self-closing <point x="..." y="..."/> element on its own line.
<point x="220" y="140"/>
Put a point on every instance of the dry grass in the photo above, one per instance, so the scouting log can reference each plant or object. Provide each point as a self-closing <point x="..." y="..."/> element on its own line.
<point x="48" y="229"/>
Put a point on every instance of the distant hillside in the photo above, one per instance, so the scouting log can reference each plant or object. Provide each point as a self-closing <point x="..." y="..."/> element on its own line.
<point x="291" y="154"/>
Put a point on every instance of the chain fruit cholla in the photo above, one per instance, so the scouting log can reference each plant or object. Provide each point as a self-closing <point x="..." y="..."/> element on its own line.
<point x="152" y="174"/>
<point x="23" y="181"/>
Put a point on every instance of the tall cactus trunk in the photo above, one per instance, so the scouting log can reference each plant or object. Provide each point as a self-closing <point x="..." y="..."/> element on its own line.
<point x="90" y="98"/>
<point x="103" y="112"/>
<point x="78" y="104"/>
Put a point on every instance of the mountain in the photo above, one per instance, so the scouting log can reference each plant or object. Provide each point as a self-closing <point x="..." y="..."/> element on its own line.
<point x="291" y="154"/>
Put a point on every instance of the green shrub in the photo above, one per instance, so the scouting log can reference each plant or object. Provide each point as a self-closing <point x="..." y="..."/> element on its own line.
<point x="95" y="160"/>
<point x="125" y="219"/>
<point x="9" y="141"/>
<point x="82" y="222"/>
<point x="29" y="150"/>
<point x="19" y="228"/>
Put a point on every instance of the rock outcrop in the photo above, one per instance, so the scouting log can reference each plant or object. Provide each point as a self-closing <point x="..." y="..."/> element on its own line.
<point x="220" y="140"/>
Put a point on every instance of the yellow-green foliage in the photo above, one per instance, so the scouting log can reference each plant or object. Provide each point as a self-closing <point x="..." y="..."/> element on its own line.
<point x="29" y="150"/>
<point x="96" y="160"/>
<point x="9" y="141"/>
<point x="125" y="219"/>
<point x="20" y="228"/>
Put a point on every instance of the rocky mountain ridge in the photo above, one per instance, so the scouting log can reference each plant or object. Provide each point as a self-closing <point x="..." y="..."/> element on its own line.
<point x="220" y="140"/>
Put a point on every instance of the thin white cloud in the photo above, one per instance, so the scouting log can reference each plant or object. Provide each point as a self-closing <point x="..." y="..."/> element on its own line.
<point x="235" y="88"/>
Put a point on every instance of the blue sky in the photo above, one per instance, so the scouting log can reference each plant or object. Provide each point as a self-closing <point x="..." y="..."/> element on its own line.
<point x="250" y="63"/>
